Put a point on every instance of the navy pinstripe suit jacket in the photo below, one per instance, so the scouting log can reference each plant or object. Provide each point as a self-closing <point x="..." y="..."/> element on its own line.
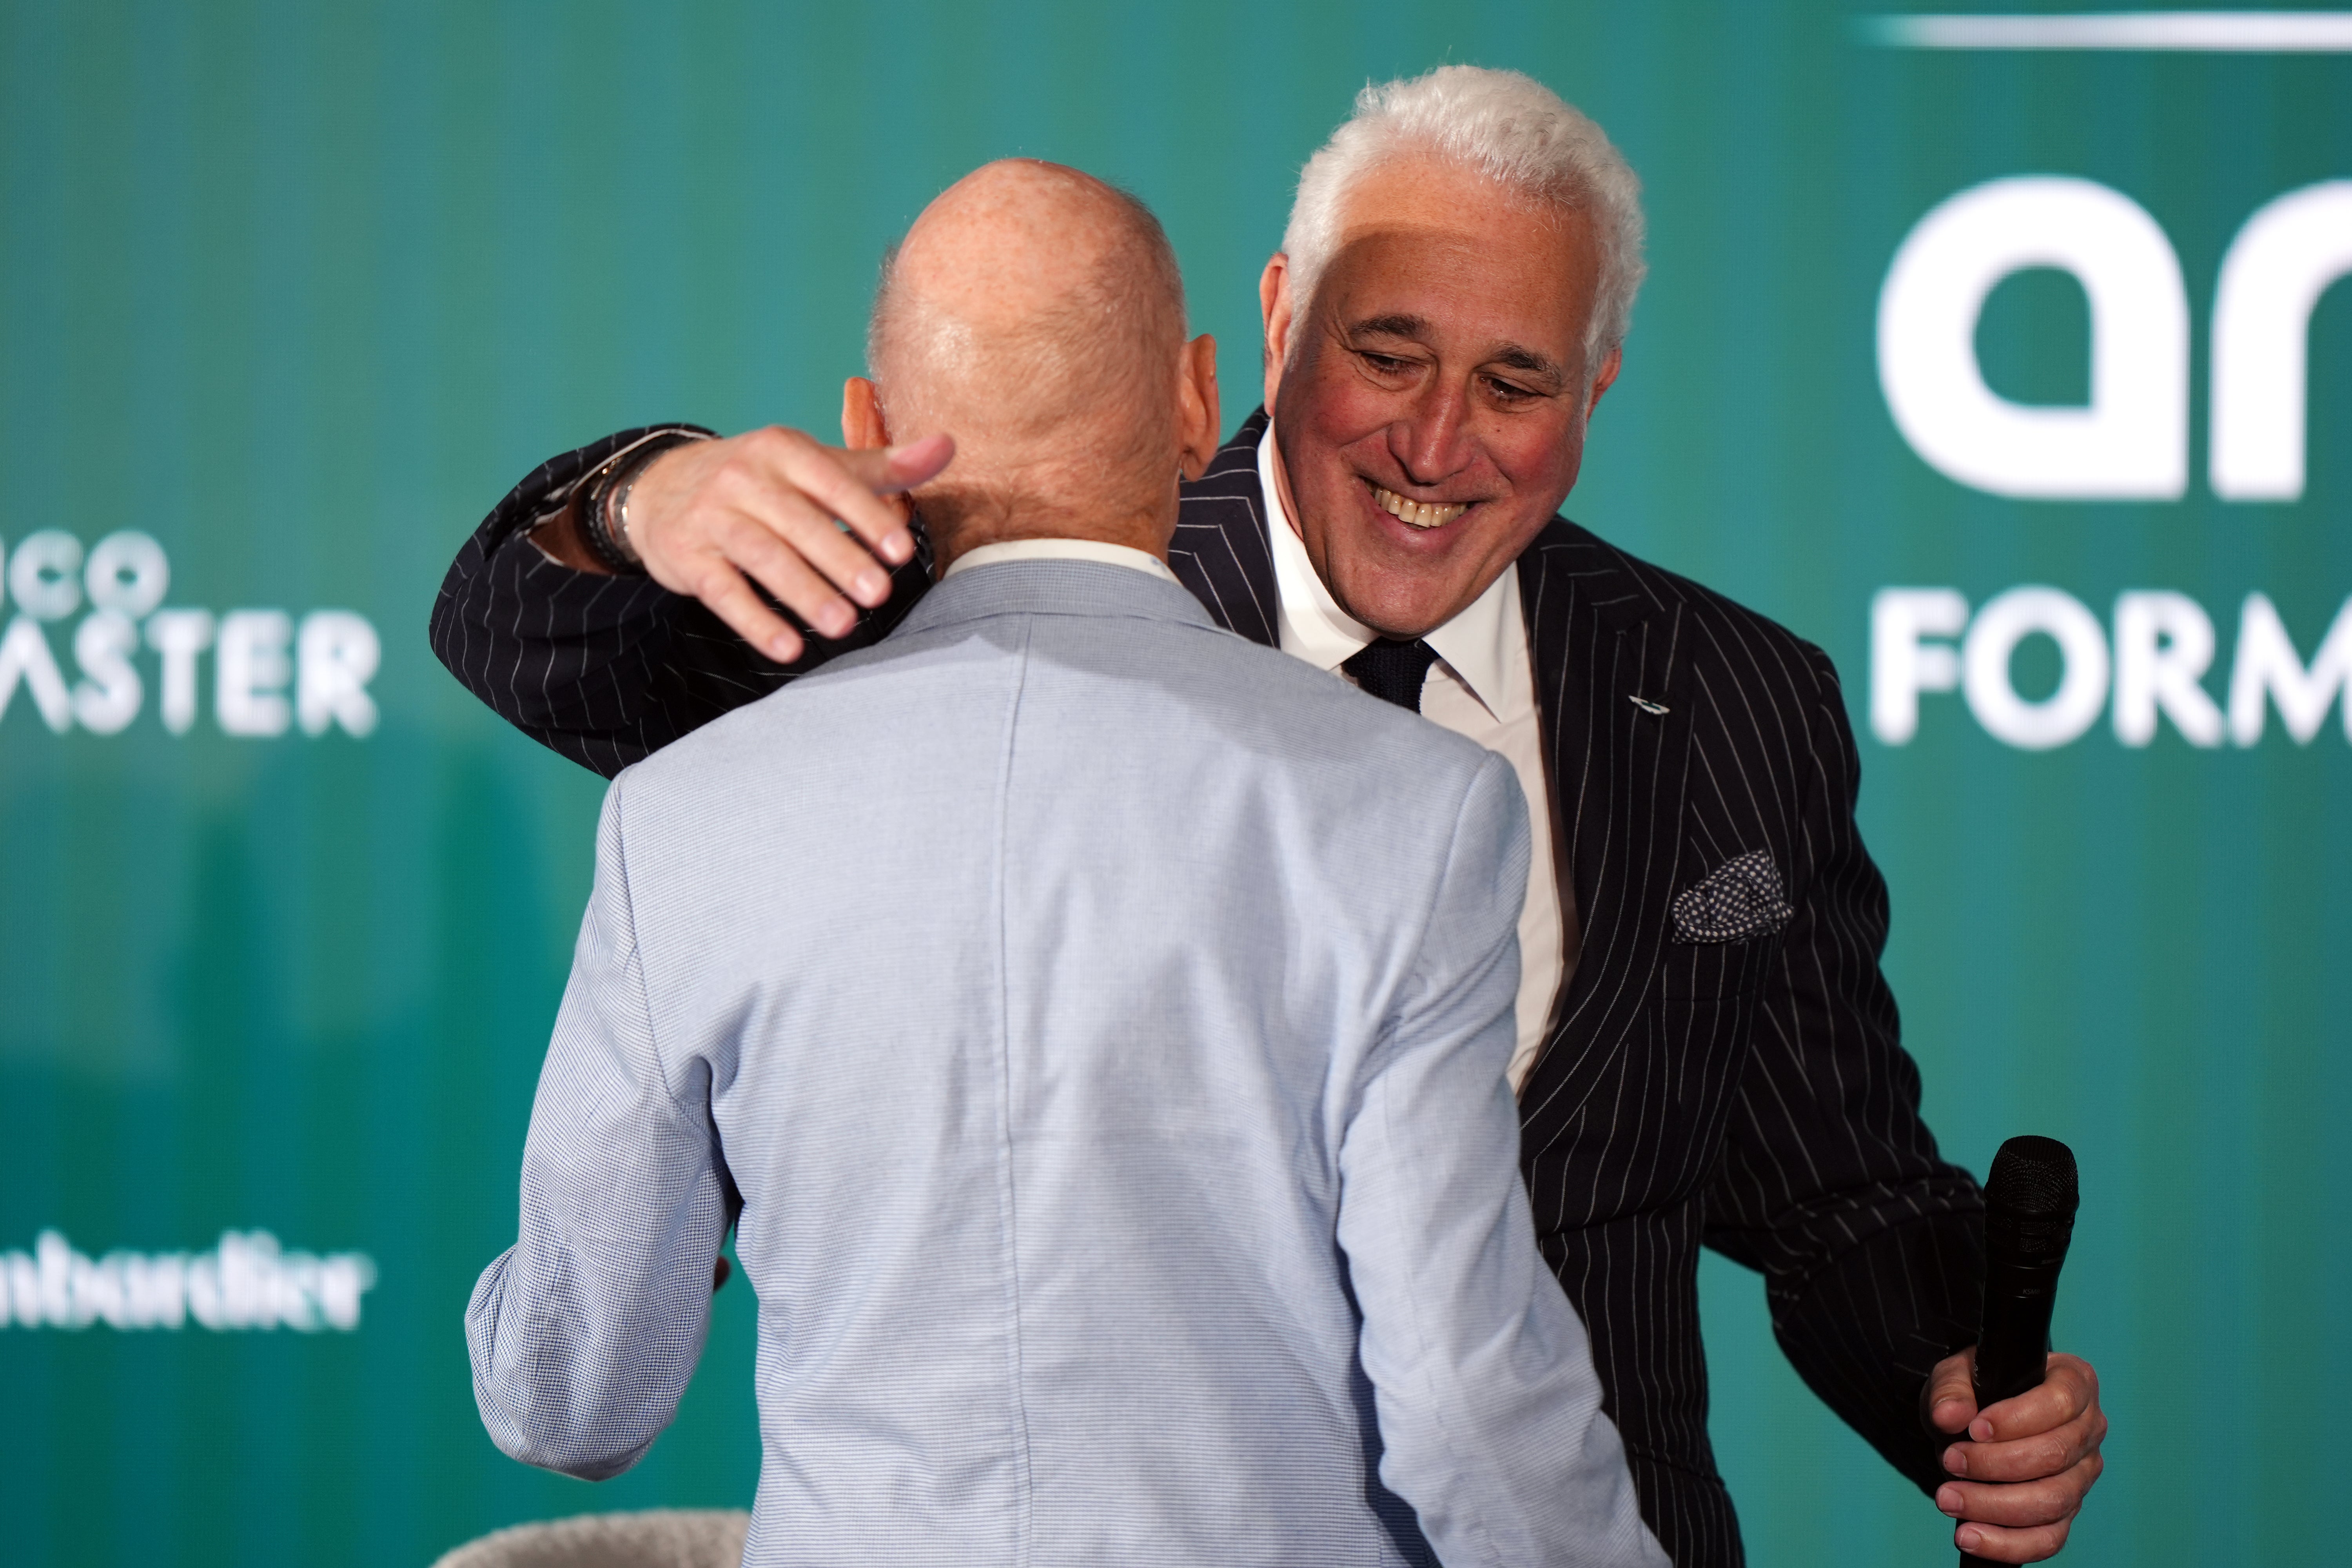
<point x="1749" y="1096"/>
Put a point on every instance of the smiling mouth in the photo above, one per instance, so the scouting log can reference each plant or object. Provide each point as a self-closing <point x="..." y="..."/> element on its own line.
<point x="1416" y="514"/>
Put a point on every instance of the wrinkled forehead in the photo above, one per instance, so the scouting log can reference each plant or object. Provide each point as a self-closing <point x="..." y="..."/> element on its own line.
<point x="1523" y="286"/>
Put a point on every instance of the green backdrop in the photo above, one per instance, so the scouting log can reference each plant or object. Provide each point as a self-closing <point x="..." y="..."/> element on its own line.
<point x="299" y="289"/>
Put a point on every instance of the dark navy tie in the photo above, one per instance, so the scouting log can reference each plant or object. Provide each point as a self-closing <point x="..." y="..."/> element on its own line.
<point x="1392" y="671"/>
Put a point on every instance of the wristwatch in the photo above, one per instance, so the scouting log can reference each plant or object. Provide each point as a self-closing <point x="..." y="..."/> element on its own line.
<point x="604" y="500"/>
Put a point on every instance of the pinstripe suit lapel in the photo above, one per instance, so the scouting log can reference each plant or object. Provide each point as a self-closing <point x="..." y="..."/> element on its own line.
<point x="1608" y="657"/>
<point x="1219" y="549"/>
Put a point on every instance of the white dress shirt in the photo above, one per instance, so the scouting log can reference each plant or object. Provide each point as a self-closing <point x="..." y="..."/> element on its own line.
<point x="1482" y="687"/>
<point x="1061" y="550"/>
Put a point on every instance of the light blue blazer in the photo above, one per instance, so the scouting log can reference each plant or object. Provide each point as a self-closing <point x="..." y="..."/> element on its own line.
<point x="1103" y="1021"/>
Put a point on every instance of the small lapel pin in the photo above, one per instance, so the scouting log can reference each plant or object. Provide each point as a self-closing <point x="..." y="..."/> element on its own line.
<point x="1644" y="704"/>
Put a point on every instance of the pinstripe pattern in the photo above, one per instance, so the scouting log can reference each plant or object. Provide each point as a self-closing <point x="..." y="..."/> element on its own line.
<point x="1750" y="1096"/>
<point x="1753" y="1096"/>
<point x="1219" y="549"/>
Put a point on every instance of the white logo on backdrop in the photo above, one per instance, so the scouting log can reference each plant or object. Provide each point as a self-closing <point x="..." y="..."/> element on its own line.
<point x="246" y="1282"/>
<point x="2132" y="440"/>
<point x="270" y="672"/>
<point x="2129" y="442"/>
<point x="2163" y="645"/>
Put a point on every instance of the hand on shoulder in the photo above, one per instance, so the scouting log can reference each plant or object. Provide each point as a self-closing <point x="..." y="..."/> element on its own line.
<point x="709" y="519"/>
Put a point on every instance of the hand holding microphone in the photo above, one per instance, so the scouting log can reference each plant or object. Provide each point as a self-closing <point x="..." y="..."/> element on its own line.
<point x="2031" y="1422"/>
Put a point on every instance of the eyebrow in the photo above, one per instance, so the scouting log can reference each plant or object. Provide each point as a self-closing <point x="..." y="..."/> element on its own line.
<point x="1391" y="326"/>
<point x="1517" y="358"/>
<point x="1510" y="355"/>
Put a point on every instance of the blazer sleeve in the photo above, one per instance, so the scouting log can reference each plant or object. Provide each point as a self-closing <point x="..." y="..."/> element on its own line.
<point x="583" y="1334"/>
<point x="1489" y="1409"/>
<point x="606" y="670"/>
<point x="1871" y="1244"/>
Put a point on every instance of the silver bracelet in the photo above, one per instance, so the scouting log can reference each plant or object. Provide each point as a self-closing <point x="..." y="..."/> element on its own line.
<point x="627" y="488"/>
<point x="603" y="515"/>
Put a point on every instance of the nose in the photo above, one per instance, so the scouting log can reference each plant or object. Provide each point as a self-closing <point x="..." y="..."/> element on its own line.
<point x="1432" y="441"/>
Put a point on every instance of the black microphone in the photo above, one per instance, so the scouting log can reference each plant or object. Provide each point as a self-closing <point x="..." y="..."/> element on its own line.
<point x="2029" y="1203"/>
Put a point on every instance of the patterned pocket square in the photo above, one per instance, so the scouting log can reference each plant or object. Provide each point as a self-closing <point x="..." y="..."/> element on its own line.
<point x="1741" y="899"/>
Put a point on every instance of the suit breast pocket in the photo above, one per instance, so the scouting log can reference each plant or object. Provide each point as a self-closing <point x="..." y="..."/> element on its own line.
<point x="1726" y="928"/>
<point x="1709" y="971"/>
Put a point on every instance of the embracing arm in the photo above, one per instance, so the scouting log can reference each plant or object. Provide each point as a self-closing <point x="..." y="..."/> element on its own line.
<point x="604" y="669"/>
<point x="607" y="670"/>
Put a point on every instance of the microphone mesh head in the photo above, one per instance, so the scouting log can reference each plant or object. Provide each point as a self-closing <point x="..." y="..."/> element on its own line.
<point x="2034" y="1176"/>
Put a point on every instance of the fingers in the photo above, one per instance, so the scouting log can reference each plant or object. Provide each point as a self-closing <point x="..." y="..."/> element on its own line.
<point x="726" y="595"/>
<point x="889" y="470"/>
<point x="2049" y="1500"/>
<point x="794" y="549"/>
<point x="713" y="518"/>
<point x="2031" y="1458"/>
<point x="1999" y="1545"/>
<point x="793" y="487"/>
<point x="782" y="564"/>
<point x="2067" y="1389"/>
<point x="1948" y="1402"/>
<point x="2018" y="1490"/>
<point x="850" y="485"/>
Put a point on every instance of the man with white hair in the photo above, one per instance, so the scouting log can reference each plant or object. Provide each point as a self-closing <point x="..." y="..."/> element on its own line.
<point x="1709" y="1053"/>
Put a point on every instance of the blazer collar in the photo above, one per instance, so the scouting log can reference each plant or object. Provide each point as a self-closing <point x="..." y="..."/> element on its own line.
<point x="1570" y="569"/>
<point x="1052" y="588"/>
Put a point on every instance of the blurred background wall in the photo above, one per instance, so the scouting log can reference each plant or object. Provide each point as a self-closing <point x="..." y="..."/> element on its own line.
<point x="290" y="294"/>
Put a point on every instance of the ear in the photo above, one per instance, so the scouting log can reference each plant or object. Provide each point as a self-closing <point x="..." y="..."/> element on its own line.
<point x="1196" y="405"/>
<point x="863" y="428"/>
<point x="1608" y="376"/>
<point x="1274" y="306"/>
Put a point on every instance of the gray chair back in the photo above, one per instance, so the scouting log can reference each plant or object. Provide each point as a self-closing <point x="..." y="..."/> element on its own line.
<point x="658" y="1538"/>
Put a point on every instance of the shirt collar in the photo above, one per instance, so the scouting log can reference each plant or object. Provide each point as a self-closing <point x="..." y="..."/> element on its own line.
<point x="1476" y="643"/>
<point x="1061" y="550"/>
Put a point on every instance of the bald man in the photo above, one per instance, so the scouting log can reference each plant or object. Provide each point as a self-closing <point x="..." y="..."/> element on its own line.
<point x="1119" y="1185"/>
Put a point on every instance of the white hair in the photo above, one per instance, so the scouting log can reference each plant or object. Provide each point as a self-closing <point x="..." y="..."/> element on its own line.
<point x="1504" y="125"/>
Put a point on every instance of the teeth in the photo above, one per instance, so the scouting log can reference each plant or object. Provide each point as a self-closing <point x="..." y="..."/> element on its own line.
<point x="1420" y="514"/>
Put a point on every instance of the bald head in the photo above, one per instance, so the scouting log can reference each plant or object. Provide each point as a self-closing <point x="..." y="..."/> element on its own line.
<point x="1036" y="314"/>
